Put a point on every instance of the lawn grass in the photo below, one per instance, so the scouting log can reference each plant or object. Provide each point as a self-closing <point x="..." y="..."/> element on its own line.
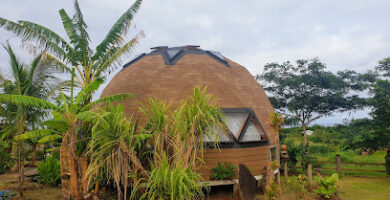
<point x="358" y="188"/>
<point x="352" y="157"/>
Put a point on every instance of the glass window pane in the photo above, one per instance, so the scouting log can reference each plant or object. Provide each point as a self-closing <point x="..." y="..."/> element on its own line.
<point x="217" y="132"/>
<point x="234" y="121"/>
<point x="251" y="134"/>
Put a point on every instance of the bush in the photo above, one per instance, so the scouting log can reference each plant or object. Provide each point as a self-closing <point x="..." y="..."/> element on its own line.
<point x="5" y="161"/>
<point x="272" y="191"/>
<point x="223" y="172"/>
<point x="49" y="171"/>
<point x="327" y="186"/>
<point x="298" y="183"/>
<point x="173" y="182"/>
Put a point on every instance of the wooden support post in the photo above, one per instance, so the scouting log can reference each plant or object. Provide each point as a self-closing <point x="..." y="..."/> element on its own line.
<point x="278" y="180"/>
<point x="310" y="176"/>
<point x="338" y="164"/>
<point x="235" y="190"/>
<point x="285" y="169"/>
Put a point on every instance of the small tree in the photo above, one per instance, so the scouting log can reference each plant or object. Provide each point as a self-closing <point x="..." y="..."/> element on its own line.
<point x="305" y="92"/>
<point x="71" y="112"/>
<point x="380" y="103"/>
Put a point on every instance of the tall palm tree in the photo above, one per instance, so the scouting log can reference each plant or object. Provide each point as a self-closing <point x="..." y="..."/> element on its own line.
<point x="34" y="80"/>
<point x="70" y="112"/>
<point x="76" y="51"/>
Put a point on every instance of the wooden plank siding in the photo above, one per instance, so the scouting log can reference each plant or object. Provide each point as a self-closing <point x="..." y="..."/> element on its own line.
<point x="255" y="158"/>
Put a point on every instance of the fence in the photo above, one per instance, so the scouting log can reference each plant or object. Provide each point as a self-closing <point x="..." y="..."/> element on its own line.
<point x="353" y="167"/>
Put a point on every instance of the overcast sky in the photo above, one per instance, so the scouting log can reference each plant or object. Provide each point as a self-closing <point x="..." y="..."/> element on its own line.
<point x="348" y="34"/>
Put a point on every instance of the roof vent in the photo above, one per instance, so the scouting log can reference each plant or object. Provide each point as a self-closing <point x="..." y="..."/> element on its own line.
<point x="192" y="47"/>
<point x="159" y="48"/>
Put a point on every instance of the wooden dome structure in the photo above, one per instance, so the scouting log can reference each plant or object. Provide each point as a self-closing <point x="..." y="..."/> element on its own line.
<point x="170" y="74"/>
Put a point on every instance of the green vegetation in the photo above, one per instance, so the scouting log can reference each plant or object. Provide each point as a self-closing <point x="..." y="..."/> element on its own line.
<point x="49" y="171"/>
<point x="306" y="91"/>
<point x="223" y="172"/>
<point x="328" y="186"/>
<point x="173" y="182"/>
<point x="102" y="150"/>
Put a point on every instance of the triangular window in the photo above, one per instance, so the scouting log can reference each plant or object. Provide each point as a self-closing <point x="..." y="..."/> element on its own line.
<point x="242" y="126"/>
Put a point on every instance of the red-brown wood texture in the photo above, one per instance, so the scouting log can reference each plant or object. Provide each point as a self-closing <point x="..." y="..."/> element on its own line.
<point x="232" y="87"/>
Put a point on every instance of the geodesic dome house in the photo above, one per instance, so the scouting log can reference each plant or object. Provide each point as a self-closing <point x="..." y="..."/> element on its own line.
<point x="170" y="74"/>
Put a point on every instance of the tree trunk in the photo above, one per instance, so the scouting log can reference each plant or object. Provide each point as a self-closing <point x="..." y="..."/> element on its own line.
<point x="34" y="155"/>
<point x="83" y="163"/>
<point x="14" y="156"/>
<point x="387" y="162"/>
<point x="20" y="168"/>
<point x="74" y="175"/>
<point x="304" y="133"/>
<point x="64" y="164"/>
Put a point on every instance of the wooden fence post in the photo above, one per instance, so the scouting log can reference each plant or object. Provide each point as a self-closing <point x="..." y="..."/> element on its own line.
<point x="310" y="176"/>
<point x="387" y="163"/>
<point x="285" y="170"/>
<point x="338" y="164"/>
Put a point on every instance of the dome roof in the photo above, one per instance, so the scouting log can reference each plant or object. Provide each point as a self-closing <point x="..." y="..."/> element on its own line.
<point x="170" y="74"/>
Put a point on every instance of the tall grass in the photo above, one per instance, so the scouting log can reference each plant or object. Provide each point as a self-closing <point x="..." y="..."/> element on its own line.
<point x="173" y="182"/>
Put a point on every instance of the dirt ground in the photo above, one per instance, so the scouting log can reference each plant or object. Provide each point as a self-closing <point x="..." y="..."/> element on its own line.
<point x="350" y="188"/>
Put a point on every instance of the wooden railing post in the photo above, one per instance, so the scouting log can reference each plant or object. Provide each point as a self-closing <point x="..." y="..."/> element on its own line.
<point x="338" y="164"/>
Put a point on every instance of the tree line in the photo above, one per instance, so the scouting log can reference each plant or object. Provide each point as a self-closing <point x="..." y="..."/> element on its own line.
<point x="305" y="91"/>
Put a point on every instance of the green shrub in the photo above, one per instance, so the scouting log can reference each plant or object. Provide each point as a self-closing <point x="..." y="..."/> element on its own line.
<point x="173" y="182"/>
<point x="5" y="161"/>
<point x="272" y="191"/>
<point x="223" y="172"/>
<point x="328" y="186"/>
<point x="297" y="184"/>
<point x="49" y="171"/>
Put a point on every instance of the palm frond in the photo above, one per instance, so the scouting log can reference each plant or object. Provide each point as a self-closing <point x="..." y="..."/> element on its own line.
<point x="49" y="34"/>
<point x="70" y="30"/>
<point x="34" y="66"/>
<point x="36" y="134"/>
<point x="87" y="91"/>
<point x="15" y="64"/>
<point x="55" y="63"/>
<point x="27" y="101"/>
<point x="59" y="87"/>
<point x="114" y="59"/>
<point x="58" y="125"/>
<point x="84" y="39"/>
<point x="119" y="29"/>
<point x="29" y="34"/>
<point x="108" y="99"/>
<point x="93" y="118"/>
<point x="49" y="138"/>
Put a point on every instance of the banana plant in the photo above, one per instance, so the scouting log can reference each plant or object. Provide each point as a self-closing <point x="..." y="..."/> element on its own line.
<point x="72" y="111"/>
<point x="328" y="186"/>
<point x="75" y="52"/>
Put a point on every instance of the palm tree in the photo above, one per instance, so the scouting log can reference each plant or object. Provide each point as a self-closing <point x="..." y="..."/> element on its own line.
<point x="69" y="113"/>
<point x="34" y="80"/>
<point x="76" y="52"/>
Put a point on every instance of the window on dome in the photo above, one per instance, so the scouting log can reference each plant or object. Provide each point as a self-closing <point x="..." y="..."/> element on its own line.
<point x="242" y="126"/>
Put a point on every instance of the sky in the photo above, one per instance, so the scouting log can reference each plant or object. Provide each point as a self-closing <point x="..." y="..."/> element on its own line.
<point x="348" y="34"/>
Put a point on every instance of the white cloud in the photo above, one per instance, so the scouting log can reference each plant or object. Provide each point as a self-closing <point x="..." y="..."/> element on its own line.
<point x="351" y="34"/>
